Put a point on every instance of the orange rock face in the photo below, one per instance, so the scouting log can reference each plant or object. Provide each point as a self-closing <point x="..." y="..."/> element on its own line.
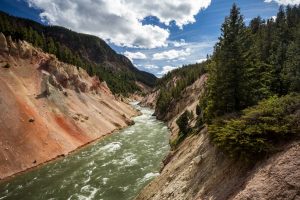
<point x="49" y="108"/>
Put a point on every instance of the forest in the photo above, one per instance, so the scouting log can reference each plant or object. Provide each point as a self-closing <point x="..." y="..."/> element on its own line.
<point x="251" y="100"/>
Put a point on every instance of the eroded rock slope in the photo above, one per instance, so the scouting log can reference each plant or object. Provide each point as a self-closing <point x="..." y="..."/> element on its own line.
<point x="49" y="108"/>
<point x="197" y="170"/>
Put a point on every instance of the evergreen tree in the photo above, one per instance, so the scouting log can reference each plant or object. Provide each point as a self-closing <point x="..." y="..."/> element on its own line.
<point x="183" y="123"/>
<point x="278" y="52"/>
<point x="291" y="71"/>
<point x="226" y="89"/>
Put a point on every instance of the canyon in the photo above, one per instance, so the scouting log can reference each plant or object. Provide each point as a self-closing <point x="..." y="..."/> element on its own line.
<point x="49" y="108"/>
<point x="198" y="169"/>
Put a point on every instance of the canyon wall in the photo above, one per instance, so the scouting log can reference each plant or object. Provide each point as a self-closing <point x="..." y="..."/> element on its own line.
<point x="197" y="169"/>
<point x="49" y="108"/>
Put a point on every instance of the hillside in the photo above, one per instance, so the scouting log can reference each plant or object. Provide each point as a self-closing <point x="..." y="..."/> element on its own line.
<point x="235" y="125"/>
<point x="170" y="89"/>
<point x="82" y="50"/>
<point x="50" y="108"/>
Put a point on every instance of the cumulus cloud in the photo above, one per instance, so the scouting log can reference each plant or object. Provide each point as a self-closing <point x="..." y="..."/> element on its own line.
<point x="172" y="54"/>
<point x="120" y="21"/>
<point x="201" y="60"/>
<point x="135" y="55"/>
<point x="179" y="43"/>
<point x="167" y="69"/>
<point x="284" y="2"/>
<point x="149" y="66"/>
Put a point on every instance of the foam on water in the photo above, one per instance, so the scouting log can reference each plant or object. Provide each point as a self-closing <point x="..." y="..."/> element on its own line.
<point x="149" y="176"/>
<point x="129" y="159"/>
<point x="111" y="147"/>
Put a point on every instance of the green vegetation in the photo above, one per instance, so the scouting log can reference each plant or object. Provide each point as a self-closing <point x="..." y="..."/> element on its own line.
<point x="7" y="65"/>
<point x="85" y="51"/>
<point x="252" y="102"/>
<point x="171" y="90"/>
<point x="252" y="63"/>
<point x="260" y="128"/>
<point x="184" y="128"/>
<point x="183" y="123"/>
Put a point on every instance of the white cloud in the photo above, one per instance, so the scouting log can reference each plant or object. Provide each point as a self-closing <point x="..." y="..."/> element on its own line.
<point x="274" y="18"/>
<point x="201" y="60"/>
<point x="135" y="55"/>
<point x="284" y="2"/>
<point x="149" y="66"/>
<point x="179" y="43"/>
<point x="172" y="54"/>
<point x="167" y="69"/>
<point x="120" y="21"/>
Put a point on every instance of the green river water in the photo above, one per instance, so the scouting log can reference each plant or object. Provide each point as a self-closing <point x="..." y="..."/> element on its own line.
<point x="115" y="168"/>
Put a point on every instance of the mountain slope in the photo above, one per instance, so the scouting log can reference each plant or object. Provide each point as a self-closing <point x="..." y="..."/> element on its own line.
<point x="86" y="51"/>
<point x="49" y="108"/>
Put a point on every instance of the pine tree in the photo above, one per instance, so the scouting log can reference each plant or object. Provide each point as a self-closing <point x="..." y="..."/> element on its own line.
<point x="278" y="51"/>
<point x="225" y="90"/>
<point x="291" y="71"/>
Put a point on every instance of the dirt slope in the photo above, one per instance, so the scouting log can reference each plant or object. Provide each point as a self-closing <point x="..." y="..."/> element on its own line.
<point x="196" y="170"/>
<point x="188" y="101"/>
<point x="49" y="108"/>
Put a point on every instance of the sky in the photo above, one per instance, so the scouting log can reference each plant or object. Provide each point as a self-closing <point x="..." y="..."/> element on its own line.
<point x="157" y="35"/>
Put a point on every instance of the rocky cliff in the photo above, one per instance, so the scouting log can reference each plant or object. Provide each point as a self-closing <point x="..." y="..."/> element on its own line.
<point x="49" y="108"/>
<point x="188" y="101"/>
<point x="196" y="169"/>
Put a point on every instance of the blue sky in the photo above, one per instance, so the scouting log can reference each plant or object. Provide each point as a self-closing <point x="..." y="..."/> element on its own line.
<point x="158" y="36"/>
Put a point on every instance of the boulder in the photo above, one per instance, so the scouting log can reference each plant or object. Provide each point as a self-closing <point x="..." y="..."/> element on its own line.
<point x="55" y="83"/>
<point x="25" y="51"/>
<point x="13" y="49"/>
<point x="83" y="87"/>
<point x="3" y="43"/>
<point x="55" y="68"/>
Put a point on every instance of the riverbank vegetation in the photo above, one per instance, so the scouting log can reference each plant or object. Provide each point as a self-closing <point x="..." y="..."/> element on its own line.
<point x="251" y="102"/>
<point x="259" y="129"/>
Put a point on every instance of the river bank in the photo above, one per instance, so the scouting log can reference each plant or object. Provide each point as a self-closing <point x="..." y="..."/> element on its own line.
<point x="115" y="167"/>
<point x="60" y="156"/>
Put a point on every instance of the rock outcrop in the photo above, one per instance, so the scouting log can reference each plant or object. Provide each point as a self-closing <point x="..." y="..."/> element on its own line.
<point x="49" y="108"/>
<point x="197" y="170"/>
<point x="3" y="43"/>
<point x="150" y="99"/>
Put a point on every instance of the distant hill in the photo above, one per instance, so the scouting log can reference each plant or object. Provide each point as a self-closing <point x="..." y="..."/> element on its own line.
<point x="82" y="50"/>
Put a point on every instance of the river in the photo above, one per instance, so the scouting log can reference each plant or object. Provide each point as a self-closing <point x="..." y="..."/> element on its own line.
<point x="114" y="168"/>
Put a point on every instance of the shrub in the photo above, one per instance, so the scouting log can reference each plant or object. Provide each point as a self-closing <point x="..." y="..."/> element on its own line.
<point x="175" y="143"/>
<point x="260" y="128"/>
<point x="6" y="66"/>
<point x="183" y="123"/>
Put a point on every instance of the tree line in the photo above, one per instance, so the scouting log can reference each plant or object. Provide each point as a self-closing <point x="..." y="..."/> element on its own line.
<point x="254" y="62"/>
<point x="251" y="99"/>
